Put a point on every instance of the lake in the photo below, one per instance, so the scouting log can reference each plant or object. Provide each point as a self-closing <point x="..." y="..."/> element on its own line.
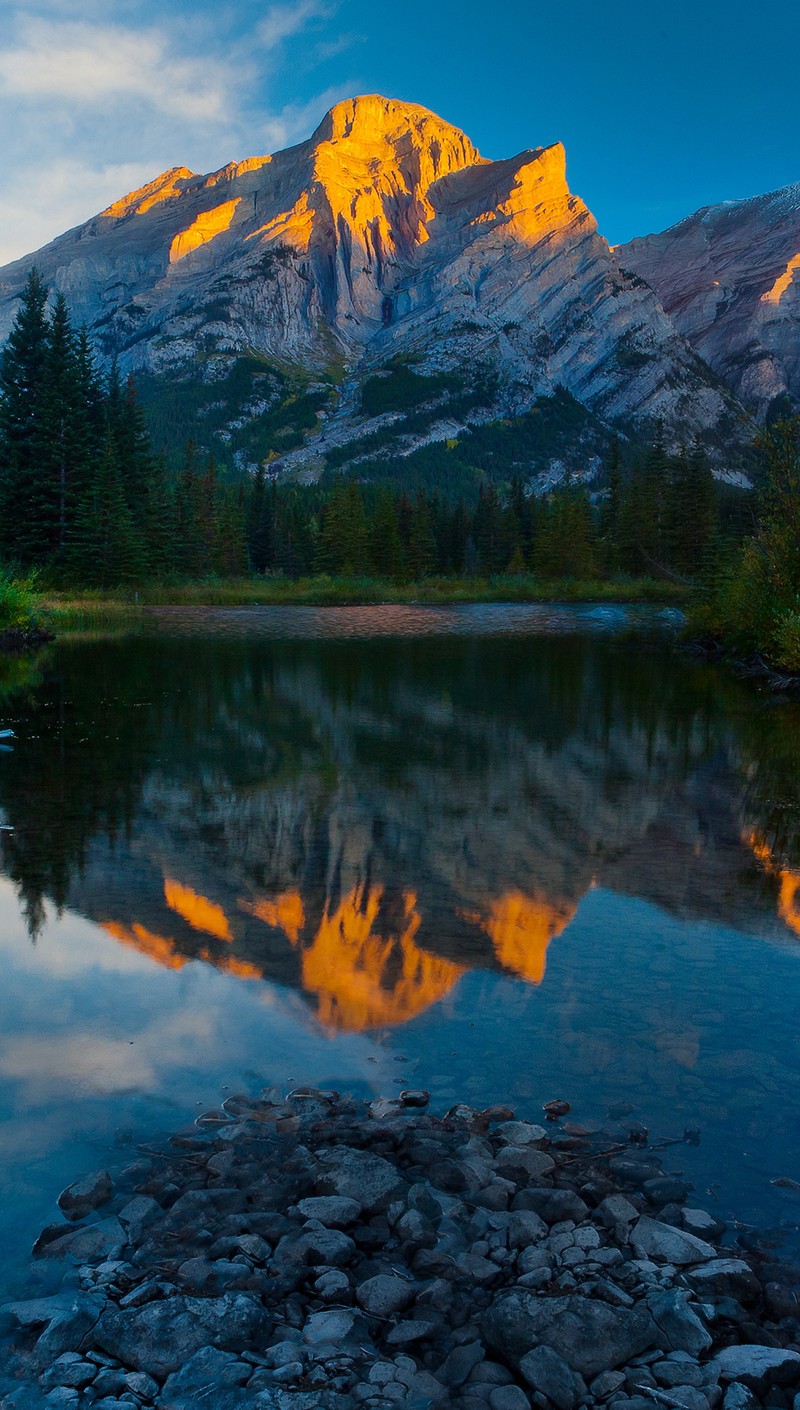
<point x="503" y="853"/>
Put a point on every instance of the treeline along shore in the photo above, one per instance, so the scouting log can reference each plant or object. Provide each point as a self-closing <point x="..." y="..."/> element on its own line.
<point x="86" y="505"/>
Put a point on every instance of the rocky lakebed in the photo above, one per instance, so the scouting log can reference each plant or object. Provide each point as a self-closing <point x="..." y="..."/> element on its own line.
<point x="315" y="1252"/>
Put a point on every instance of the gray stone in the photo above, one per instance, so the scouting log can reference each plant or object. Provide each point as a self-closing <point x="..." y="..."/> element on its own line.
<point x="590" y="1336"/>
<point x="142" y="1385"/>
<point x="758" y="1367"/>
<point x="739" y="1397"/>
<point x="288" y="1372"/>
<point x="334" y="1326"/>
<point x="553" y="1205"/>
<point x="85" y="1195"/>
<point x="703" y="1224"/>
<point x="208" y="1368"/>
<point x="460" y="1363"/>
<point x="161" y="1336"/>
<point x="606" y="1384"/>
<point x="407" y="1333"/>
<point x="520" y="1133"/>
<point x="617" y="1213"/>
<point x="667" y="1244"/>
<point x="522" y="1163"/>
<point x="722" y="1277"/>
<point x="384" y="1295"/>
<point x="508" y="1398"/>
<point x="547" y="1372"/>
<point x="665" y="1189"/>
<point x="690" y="1397"/>
<point x="334" y="1211"/>
<point x="360" y="1176"/>
<point x="328" y="1248"/>
<point x="680" y="1328"/>
<point x="88" y="1243"/>
<point x="525" y="1227"/>
<point x="137" y="1215"/>
<point x="70" y="1370"/>
<point x="680" y="1371"/>
<point x="281" y="1353"/>
<point x="332" y="1286"/>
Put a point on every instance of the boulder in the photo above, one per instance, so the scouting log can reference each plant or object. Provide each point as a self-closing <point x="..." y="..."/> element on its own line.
<point x="523" y="1163"/>
<point x="88" y="1243"/>
<point x="161" y="1336"/>
<point x="78" y="1200"/>
<point x="553" y="1205"/>
<point x="206" y="1368"/>
<point x="590" y="1335"/>
<point x="360" y="1176"/>
<point x="680" y="1327"/>
<point x="520" y="1133"/>
<point x="758" y="1367"/>
<point x="547" y="1372"/>
<point x="385" y="1294"/>
<point x="666" y="1244"/>
<point x="334" y="1211"/>
<point x="703" y="1224"/>
<point x="725" y="1277"/>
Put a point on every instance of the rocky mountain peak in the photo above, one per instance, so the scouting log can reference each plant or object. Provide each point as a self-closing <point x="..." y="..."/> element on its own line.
<point x="729" y="277"/>
<point x="384" y="236"/>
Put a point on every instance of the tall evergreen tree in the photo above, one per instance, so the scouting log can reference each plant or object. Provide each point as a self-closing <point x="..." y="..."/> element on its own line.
<point x="22" y="368"/>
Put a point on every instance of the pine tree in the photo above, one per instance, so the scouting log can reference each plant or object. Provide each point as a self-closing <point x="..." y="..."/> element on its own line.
<point x="387" y="548"/>
<point x="106" y="549"/>
<point x="261" y="523"/>
<point x="190" y="559"/>
<point x="22" y="367"/>
<point x="421" y="543"/>
<point x="67" y="448"/>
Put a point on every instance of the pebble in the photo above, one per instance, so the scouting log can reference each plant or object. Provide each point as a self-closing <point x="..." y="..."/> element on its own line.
<point x="320" y="1254"/>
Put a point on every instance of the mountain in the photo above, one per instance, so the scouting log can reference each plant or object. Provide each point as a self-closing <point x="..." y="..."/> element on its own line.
<point x="385" y="283"/>
<point x="729" y="278"/>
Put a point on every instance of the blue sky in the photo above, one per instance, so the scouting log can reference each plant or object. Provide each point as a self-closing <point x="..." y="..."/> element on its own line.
<point x="661" y="108"/>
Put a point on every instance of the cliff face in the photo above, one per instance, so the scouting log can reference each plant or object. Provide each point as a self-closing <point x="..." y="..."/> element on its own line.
<point x="729" y="278"/>
<point x="386" y="233"/>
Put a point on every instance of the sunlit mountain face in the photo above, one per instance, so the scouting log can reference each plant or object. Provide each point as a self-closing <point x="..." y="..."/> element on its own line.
<point x="366" y="822"/>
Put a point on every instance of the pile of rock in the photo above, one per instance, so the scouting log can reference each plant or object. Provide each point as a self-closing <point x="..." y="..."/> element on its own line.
<point x="315" y="1253"/>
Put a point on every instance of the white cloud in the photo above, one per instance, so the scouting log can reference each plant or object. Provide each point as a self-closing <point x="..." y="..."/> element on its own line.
<point x="284" y="21"/>
<point x="98" y="98"/>
<point x="89" y="64"/>
<point x="45" y="201"/>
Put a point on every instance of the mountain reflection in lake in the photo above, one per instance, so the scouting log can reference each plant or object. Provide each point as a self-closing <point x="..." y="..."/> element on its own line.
<point x="514" y="867"/>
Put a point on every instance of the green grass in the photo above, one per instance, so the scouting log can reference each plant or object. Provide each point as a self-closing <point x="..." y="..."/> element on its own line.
<point x="120" y="611"/>
<point x="90" y="613"/>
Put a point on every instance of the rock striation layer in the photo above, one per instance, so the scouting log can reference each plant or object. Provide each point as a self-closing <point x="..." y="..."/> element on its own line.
<point x="729" y="278"/>
<point x="384" y="235"/>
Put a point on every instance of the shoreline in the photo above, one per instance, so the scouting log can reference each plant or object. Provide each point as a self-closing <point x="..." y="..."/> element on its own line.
<point x="316" y="1252"/>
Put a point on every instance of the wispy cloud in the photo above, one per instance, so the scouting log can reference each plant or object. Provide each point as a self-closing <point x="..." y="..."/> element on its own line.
<point x="96" y="98"/>
<point x="87" y="64"/>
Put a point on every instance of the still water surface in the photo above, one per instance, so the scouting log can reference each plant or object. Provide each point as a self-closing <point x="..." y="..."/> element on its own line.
<point x="497" y="852"/>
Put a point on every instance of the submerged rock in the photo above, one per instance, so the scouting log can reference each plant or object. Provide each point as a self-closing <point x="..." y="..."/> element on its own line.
<point x="79" y="1199"/>
<point x="315" y="1254"/>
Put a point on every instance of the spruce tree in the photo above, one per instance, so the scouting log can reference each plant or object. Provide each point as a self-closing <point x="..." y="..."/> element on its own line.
<point x="22" y="367"/>
<point x="387" y="548"/>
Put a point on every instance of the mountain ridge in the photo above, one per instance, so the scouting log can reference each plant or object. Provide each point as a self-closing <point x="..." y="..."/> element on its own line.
<point x="729" y="277"/>
<point x="383" y="239"/>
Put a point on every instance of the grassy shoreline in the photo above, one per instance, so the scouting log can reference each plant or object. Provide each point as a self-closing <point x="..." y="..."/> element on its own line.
<point x="118" y="610"/>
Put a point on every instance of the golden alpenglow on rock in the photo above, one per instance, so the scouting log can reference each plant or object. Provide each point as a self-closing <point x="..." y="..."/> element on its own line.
<point x="385" y="236"/>
<point x="206" y="227"/>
